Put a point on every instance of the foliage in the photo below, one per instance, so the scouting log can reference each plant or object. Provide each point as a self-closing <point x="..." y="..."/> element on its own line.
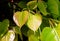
<point x="37" y="20"/>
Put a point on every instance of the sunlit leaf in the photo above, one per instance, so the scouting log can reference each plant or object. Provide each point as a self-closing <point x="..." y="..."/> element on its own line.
<point x="37" y="33"/>
<point x="20" y="18"/>
<point x="53" y="7"/>
<point x="9" y="36"/>
<point x="42" y="8"/>
<point x="32" y="5"/>
<point x="4" y="27"/>
<point x="58" y="29"/>
<point x="49" y="34"/>
<point x="34" y="21"/>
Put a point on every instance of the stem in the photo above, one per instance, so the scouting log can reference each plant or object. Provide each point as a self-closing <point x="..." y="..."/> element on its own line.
<point x="39" y="34"/>
<point x="21" y="35"/>
<point x="56" y="20"/>
<point x="39" y="31"/>
<point x="51" y="24"/>
<point x="34" y="32"/>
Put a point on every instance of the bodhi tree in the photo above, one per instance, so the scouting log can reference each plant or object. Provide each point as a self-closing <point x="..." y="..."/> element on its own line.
<point x="33" y="20"/>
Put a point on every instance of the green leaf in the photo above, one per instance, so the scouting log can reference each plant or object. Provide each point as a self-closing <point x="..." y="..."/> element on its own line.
<point x="30" y="32"/>
<point x="53" y="7"/>
<point x="22" y="4"/>
<point x="42" y="8"/>
<point x="37" y="33"/>
<point x="9" y="36"/>
<point x="59" y="7"/>
<point x="49" y="34"/>
<point x="4" y="27"/>
<point x="20" y="18"/>
<point x="32" y="5"/>
<point x="34" y="21"/>
<point x="33" y="38"/>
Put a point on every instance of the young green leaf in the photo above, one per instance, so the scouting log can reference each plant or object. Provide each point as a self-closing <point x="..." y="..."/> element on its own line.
<point x="53" y="7"/>
<point x="22" y="4"/>
<point x="20" y="18"/>
<point x="42" y="8"/>
<point x="33" y="38"/>
<point x="36" y="34"/>
<point x="4" y="27"/>
<point x="32" y="5"/>
<point x="34" y="21"/>
<point x="49" y="34"/>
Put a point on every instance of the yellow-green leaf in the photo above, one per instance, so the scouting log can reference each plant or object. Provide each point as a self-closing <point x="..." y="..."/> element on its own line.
<point x="33" y="38"/>
<point x="9" y="36"/>
<point x="34" y="21"/>
<point x="49" y="34"/>
<point x="58" y="29"/>
<point x="20" y="18"/>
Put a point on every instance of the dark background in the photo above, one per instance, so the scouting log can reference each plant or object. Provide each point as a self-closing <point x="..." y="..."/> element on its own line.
<point x="6" y="12"/>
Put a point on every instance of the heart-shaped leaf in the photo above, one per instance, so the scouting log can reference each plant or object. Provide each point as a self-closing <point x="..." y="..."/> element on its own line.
<point x="49" y="34"/>
<point x="9" y="36"/>
<point x="20" y="18"/>
<point x="4" y="27"/>
<point x="34" y="21"/>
